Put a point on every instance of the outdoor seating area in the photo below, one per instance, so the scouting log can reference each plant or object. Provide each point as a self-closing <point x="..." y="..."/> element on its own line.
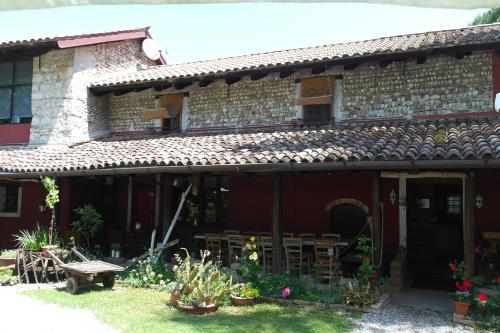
<point x="302" y="252"/>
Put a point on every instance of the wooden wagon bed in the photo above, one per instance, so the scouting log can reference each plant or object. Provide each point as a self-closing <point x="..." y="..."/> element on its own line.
<point x="87" y="272"/>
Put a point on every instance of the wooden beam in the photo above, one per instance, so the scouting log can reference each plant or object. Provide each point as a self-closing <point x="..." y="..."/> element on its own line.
<point x="277" y="224"/>
<point x="258" y="76"/>
<point x="159" y="113"/>
<point x="377" y="225"/>
<point x="469" y="207"/>
<point x="157" y="200"/>
<point x="129" y="203"/>
<point x="168" y="181"/>
<point x="327" y="99"/>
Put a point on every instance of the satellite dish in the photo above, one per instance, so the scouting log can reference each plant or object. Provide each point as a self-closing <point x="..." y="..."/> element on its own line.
<point x="151" y="49"/>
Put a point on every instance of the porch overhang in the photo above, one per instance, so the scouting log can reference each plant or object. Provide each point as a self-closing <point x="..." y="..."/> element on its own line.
<point x="418" y="165"/>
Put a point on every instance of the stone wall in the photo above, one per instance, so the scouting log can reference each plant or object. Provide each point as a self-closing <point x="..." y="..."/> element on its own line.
<point x="442" y="84"/>
<point x="64" y="111"/>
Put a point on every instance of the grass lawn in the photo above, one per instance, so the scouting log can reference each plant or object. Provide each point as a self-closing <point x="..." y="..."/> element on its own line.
<point x="140" y="310"/>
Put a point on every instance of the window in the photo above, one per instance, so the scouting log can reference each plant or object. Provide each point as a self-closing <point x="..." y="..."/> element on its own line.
<point x="10" y="200"/>
<point x="15" y="91"/>
<point x="454" y="204"/>
<point x="317" y="99"/>
<point x="211" y="204"/>
<point x="216" y="200"/>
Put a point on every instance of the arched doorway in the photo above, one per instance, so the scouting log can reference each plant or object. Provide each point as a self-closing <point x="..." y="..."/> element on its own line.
<point x="347" y="217"/>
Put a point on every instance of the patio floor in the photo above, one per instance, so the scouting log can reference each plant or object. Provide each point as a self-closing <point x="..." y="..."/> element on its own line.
<point x="423" y="299"/>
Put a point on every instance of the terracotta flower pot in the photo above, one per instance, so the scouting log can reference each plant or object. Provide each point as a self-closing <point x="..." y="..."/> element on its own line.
<point x="198" y="310"/>
<point x="240" y="301"/>
<point x="461" y="308"/>
<point x="7" y="261"/>
<point x="174" y="298"/>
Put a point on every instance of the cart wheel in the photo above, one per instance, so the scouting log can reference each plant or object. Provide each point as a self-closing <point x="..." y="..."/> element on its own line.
<point x="108" y="281"/>
<point x="72" y="285"/>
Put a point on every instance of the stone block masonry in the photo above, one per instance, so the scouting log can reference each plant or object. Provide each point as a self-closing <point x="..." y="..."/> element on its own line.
<point x="64" y="111"/>
<point x="442" y="84"/>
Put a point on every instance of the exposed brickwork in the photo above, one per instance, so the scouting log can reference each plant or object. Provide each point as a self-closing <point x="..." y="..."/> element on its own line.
<point x="443" y="84"/>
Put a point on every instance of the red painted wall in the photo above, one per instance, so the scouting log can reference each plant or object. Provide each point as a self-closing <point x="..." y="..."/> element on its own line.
<point x="33" y="194"/>
<point x="304" y="200"/>
<point x="14" y="133"/>
<point x="487" y="218"/>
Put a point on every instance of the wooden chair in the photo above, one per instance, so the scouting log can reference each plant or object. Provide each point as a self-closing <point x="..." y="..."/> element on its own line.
<point x="250" y="233"/>
<point x="266" y="244"/>
<point x="213" y="243"/>
<point x="288" y="234"/>
<point x="234" y="246"/>
<point x="265" y="233"/>
<point x="330" y="236"/>
<point x="306" y="236"/>
<point x="295" y="261"/>
<point x="329" y="264"/>
<point x="231" y="232"/>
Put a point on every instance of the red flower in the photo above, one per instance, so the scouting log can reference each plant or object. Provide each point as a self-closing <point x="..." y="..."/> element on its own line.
<point x="464" y="286"/>
<point x="498" y="278"/>
<point x="453" y="267"/>
<point x="482" y="297"/>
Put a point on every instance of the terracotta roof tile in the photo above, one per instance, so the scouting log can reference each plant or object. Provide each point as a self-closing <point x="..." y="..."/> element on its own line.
<point x="451" y="139"/>
<point x="482" y="34"/>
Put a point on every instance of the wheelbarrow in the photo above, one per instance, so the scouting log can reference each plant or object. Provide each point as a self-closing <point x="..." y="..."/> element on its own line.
<point x="87" y="272"/>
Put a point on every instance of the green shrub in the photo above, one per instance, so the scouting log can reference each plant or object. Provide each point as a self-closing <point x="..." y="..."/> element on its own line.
<point x="8" y="254"/>
<point x="32" y="240"/>
<point x="358" y="294"/>
<point x="148" y="273"/>
<point x="246" y="291"/>
<point x="90" y="221"/>
<point x="7" y="277"/>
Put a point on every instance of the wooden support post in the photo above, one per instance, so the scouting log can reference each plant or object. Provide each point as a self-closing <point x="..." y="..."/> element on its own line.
<point x="469" y="207"/>
<point x="168" y="184"/>
<point x="277" y="227"/>
<point x="129" y="203"/>
<point x="157" y="200"/>
<point x="377" y="225"/>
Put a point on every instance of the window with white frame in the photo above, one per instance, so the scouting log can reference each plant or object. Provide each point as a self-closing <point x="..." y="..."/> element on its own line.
<point x="10" y="200"/>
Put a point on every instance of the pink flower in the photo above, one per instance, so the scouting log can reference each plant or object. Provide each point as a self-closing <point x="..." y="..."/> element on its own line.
<point x="498" y="278"/>
<point x="285" y="292"/>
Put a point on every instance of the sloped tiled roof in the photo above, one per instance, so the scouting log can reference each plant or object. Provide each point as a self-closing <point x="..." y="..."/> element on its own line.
<point x="445" y="139"/>
<point x="81" y="39"/>
<point x="482" y="34"/>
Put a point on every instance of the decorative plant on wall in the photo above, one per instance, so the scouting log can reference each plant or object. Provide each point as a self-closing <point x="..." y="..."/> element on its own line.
<point x="90" y="221"/>
<point x="51" y="200"/>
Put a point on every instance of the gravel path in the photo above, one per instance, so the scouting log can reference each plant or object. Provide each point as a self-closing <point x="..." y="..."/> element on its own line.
<point x="24" y="314"/>
<point x="402" y="319"/>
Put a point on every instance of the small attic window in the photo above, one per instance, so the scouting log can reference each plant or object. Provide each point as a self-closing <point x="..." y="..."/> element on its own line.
<point x="317" y="99"/>
<point x="168" y="110"/>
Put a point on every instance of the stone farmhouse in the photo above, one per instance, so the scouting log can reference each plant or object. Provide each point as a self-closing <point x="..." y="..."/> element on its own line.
<point x="395" y="136"/>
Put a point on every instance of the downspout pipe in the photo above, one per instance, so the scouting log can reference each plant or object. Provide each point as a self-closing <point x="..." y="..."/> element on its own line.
<point x="267" y="167"/>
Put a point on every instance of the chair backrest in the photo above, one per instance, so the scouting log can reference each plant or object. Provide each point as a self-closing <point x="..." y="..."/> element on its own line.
<point x="213" y="243"/>
<point x="330" y="236"/>
<point x="252" y="233"/>
<point x="234" y="246"/>
<point x="293" y="246"/>
<point x="321" y="247"/>
<point x="288" y="234"/>
<point x="306" y="236"/>
<point x="231" y="232"/>
<point x="265" y="233"/>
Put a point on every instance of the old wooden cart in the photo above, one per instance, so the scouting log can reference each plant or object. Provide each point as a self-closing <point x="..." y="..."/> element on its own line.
<point x="87" y="272"/>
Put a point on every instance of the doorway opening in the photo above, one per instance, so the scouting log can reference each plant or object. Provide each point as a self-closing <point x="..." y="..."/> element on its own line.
<point x="434" y="230"/>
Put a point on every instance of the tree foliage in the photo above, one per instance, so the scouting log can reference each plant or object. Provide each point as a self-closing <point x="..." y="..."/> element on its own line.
<point x="490" y="16"/>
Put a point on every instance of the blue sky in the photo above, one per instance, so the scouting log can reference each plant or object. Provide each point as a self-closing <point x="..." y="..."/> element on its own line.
<point x="197" y="32"/>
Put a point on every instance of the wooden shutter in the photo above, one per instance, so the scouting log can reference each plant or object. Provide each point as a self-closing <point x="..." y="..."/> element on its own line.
<point x="317" y="86"/>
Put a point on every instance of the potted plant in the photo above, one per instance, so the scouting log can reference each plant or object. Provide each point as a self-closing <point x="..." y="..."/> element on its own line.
<point x="462" y="298"/>
<point x="7" y="257"/>
<point x="244" y="295"/>
<point x="32" y="240"/>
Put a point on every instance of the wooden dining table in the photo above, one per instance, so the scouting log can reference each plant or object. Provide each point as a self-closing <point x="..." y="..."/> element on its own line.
<point x="305" y="241"/>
